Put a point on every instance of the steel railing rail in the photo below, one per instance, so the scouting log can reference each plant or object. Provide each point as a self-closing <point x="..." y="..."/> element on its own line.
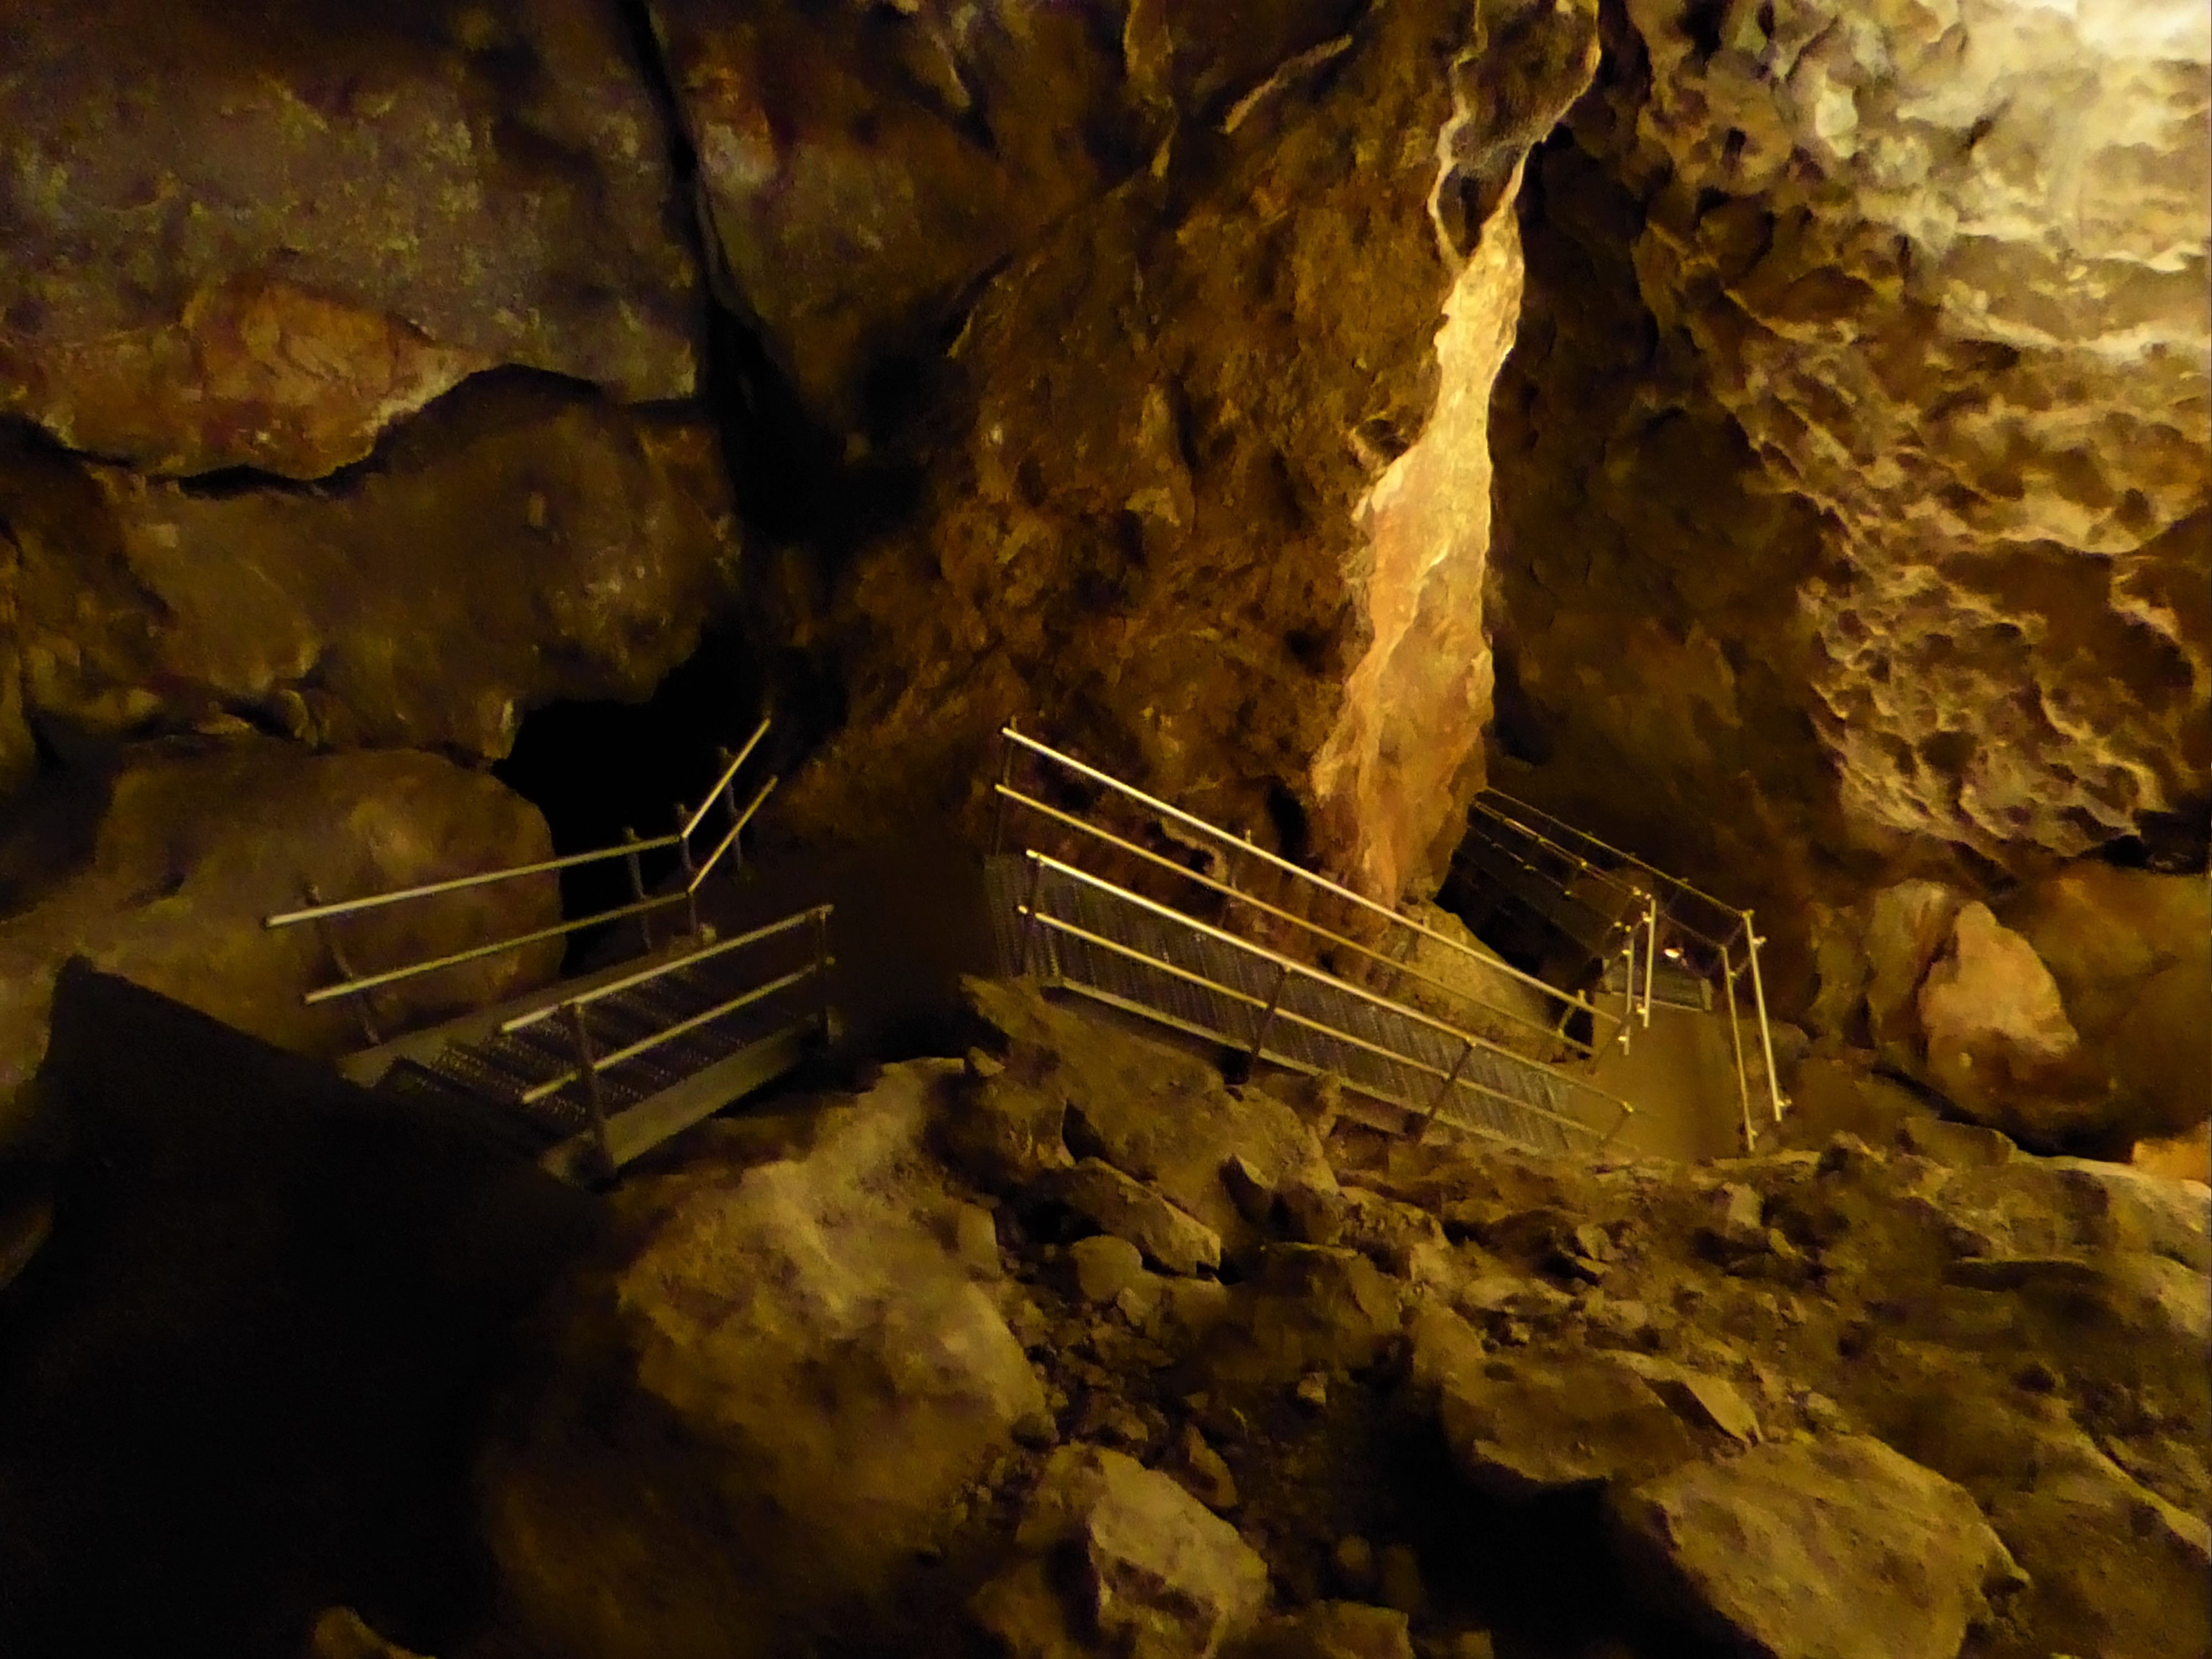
<point x="1042" y="861"/>
<point x="1152" y="803"/>
<point x="1569" y="1000"/>
<point x="1272" y="1009"/>
<point x="645" y="1045"/>
<point x="1656" y="874"/>
<point x="646" y="975"/>
<point x="642" y="907"/>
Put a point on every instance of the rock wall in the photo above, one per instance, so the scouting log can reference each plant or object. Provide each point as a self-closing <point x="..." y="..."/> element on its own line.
<point x="1140" y="528"/>
<point x="1917" y="332"/>
<point x="191" y="842"/>
<point x="256" y="238"/>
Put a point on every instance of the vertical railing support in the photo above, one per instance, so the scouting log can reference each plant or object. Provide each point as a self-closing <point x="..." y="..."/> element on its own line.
<point x="1032" y="929"/>
<point x="1267" y="1019"/>
<point x="637" y="866"/>
<point x="1650" y="953"/>
<point x="730" y="810"/>
<point x="823" y="961"/>
<point x="690" y="869"/>
<point x="1006" y="781"/>
<point x="1451" y="1082"/>
<point x="328" y="937"/>
<point x="595" y="1103"/>
<point x="1628" y="994"/>
<point x="1735" y="1038"/>
<point x="1751" y="944"/>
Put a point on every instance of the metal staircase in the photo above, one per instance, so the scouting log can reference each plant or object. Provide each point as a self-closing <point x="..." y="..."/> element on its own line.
<point x="1251" y="953"/>
<point x="589" y="1074"/>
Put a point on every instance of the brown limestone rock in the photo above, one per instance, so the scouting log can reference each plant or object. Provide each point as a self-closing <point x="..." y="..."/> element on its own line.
<point x="1162" y="1577"/>
<point x="517" y="545"/>
<point x="1907" y="925"/>
<point x="1130" y="1210"/>
<point x="761" y="1413"/>
<point x="1836" y="1548"/>
<point x="2000" y="1045"/>
<point x="198" y="840"/>
<point x="1518" y="1428"/>
<point x="257" y="238"/>
<point x="1333" y="1630"/>
<point x="1141" y="529"/>
<point x="2001" y="405"/>
<point x="1158" y="1114"/>
<point x="863" y="169"/>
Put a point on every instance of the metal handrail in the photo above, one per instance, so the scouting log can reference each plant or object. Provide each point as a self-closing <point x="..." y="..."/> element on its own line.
<point x="360" y="985"/>
<point x="700" y="875"/>
<point x="512" y="872"/>
<point x="596" y="1063"/>
<point x="1274" y="1010"/>
<point x="729" y="774"/>
<point x="1154" y="804"/>
<point x="365" y="982"/>
<point x="1226" y="891"/>
<point x="1045" y="860"/>
<point x="1655" y="873"/>
<point x="645" y="976"/>
<point x="431" y="890"/>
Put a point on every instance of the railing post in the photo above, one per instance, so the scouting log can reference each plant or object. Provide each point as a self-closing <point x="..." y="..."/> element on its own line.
<point x="1651" y="952"/>
<point x="637" y="891"/>
<point x="1735" y="1038"/>
<point x="823" y="960"/>
<point x="1751" y="944"/>
<point x="1267" y="1019"/>
<point x="690" y="869"/>
<point x="1031" y="928"/>
<point x="594" y="1100"/>
<point x="999" y="810"/>
<point x="328" y="937"/>
<point x="1628" y="994"/>
<point x="730" y="809"/>
<point x="1451" y="1082"/>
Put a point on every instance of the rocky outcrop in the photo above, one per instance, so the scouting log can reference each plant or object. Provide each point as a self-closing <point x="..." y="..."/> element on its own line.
<point x="785" y="1386"/>
<point x="863" y="170"/>
<point x="1836" y="1548"/>
<point x="1158" y="1574"/>
<point x="197" y="842"/>
<point x="1835" y="520"/>
<point x="517" y="545"/>
<point x="1944" y="267"/>
<point x="1140" y="526"/>
<point x="1847" y="1399"/>
<point x="258" y="241"/>
<point x="2097" y="1045"/>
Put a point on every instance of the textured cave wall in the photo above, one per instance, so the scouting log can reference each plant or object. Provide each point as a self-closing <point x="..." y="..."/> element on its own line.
<point x="255" y="235"/>
<point x="1852" y="471"/>
<point x="1141" y="522"/>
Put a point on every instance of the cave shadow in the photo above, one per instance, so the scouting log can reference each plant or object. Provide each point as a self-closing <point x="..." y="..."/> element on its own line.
<point x="246" y="1377"/>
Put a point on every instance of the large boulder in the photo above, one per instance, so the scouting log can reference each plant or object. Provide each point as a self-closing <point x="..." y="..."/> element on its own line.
<point x="1830" y="1549"/>
<point x="1907" y="927"/>
<point x="1998" y="1039"/>
<point x="1159" y="1115"/>
<point x="759" y="1415"/>
<point x="197" y="841"/>
<point x="1120" y="1560"/>
<point x="255" y="239"/>
<point x="518" y="546"/>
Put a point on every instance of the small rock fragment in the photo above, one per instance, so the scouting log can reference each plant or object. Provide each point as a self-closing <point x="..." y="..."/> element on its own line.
<point x="1104" y="1266"/>
<point x="1354" y="1559"/>
<point x="1313" y="1391"/>
<point x="1203" y="1472"/>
